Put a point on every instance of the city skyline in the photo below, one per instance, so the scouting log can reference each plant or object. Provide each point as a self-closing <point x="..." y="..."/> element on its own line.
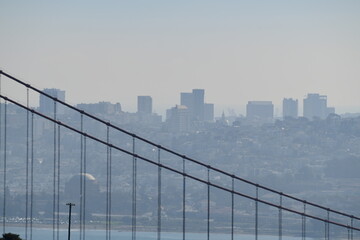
<point x="238" y="51"/>
<point x="314" y="105"/>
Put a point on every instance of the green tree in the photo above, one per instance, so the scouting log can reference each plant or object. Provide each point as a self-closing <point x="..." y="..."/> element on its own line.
<point x="10" y="236"/>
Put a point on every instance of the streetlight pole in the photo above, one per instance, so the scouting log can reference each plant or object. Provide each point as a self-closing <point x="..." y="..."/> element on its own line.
<point x="70" y="206"/>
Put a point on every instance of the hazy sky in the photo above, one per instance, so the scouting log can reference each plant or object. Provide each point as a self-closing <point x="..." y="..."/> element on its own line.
<point x="236" y="50"/>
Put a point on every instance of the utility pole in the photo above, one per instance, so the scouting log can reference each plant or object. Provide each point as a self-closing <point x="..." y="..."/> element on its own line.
<point x="70" y="206"/>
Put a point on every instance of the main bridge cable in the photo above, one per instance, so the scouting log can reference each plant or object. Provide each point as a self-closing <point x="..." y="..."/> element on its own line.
<point x="85" y="135"/>
<point x="176" y="153"/>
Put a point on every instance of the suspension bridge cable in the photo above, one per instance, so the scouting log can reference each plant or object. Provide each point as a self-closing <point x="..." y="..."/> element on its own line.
<point x="5" y="170"/>
<point x="81" y="175"/>
<point x="256" y="213"/>
<point x="107" y="185"/>
<point x="159" y="196"/>
<point x="110" y="189"/>
<point x="303" y="224"/>
<point x="181" y="173"/>
<point x="184" y="202"/>
<point x="280" y="218"/>
<point x="84" y="192"/>
<point x="134" y="176"/>
<point x="0" y="148"/>
<point x="208" y="203"/>
<point x="27" y="166"/>
<point x="32" y="176"/>
<point x="171" y="151"/>
<point x="232" y="207"/>
<point x="58" y="183"/>
<point x="54" y="175"/>
<point x="328" y="225"/>
<point x="325" y="232"/>
<point x="351" y="229"/>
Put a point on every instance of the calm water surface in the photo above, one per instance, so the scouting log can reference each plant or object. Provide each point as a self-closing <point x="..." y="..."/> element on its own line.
<point x="47" y="234"/>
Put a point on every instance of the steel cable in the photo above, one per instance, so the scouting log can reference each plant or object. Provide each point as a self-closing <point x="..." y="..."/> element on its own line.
<point x="190" y="176"/>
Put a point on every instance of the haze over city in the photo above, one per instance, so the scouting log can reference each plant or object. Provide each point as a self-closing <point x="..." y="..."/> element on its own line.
<point x="238" y="51"/>
<point x="180" y="119"/>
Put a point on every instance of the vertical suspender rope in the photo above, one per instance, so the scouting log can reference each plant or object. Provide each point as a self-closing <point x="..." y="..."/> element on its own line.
<point x="280" y="217"/>
<point x="304" y="223"/>
<point x="232" y="207"/>
<point x="134" y="192"/>
<point x="32" y="176"/>
<point x="81" y="175"/>
<point x="184" y="199"/>
<point x="327" y="227"/>
<point x="208" y="203"/>
<point x="159" y="197"/>
<point x="107" y="184"/>
<point x="5" y="133"/>
<point x="256" y="212"/>
<point x="84" y="191"/>
<point x="352" y="225"/>
<point x="110" y="174"/>
<point x="326" y="237"/>
<point x="0" y="151"/>
<point x="328" y="224"/>
<point x="54" y="176"/>
<point x="58" y="183"/>
<point x="27" y="167"/>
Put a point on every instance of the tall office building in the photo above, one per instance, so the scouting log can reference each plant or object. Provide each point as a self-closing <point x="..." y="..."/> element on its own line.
<point x="315" y="106"/>
<point x="194" y="101"/>
<point x="178" y="119"/>
<point x="186" y="99"/>
<point x="198" y="104"/>
<point x="198" y="110"/>
<point x="46" y="105"/>
<point x="290" y="108"/>
<point x="144" y="104"/>
<point x="260" y="111"/>
<point x="209" y="112"/>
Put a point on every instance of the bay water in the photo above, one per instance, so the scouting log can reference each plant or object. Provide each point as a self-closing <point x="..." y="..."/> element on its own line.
<point x="47" y="234"/>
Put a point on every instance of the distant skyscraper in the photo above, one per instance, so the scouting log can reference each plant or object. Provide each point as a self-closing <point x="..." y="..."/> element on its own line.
<point x="46" y="105"/>
<point x="290" y="108"/>
<point x="209" y="112"/>
<point x="260" y="111"/>
<point x="186" y="99"/>
<point x="178" y="119"/>
<point x="315" y="106"/>
<point x="144" y="104"/>
<point x="198" y="104"/>
<point x="198" y="110"/>
<point x="105" y="108"/>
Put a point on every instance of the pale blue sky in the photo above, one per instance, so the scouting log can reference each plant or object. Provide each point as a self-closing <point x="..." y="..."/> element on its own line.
<point x="236" y="50"/>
